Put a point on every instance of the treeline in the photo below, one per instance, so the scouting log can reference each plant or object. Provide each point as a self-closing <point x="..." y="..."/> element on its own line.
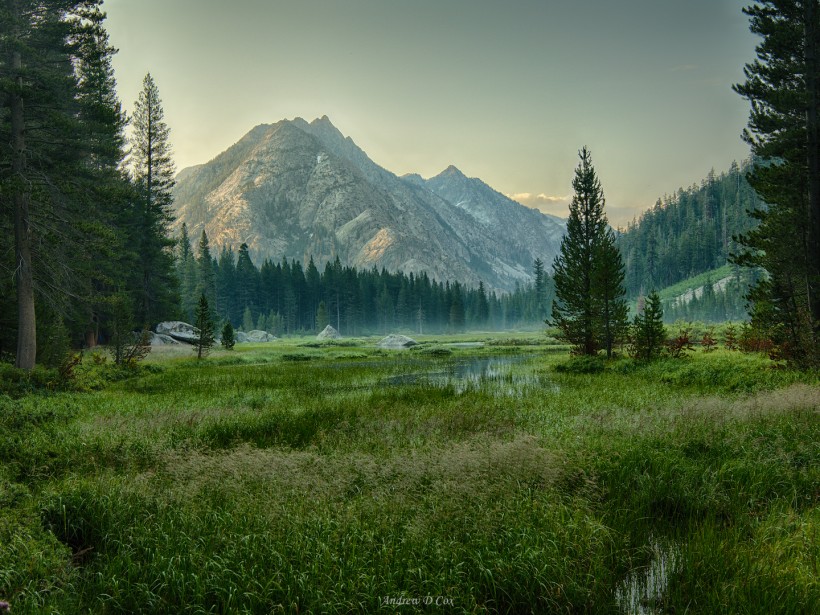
<point x="289" y="298"/>
<point x="688" y="233"/>
<point x="718" y="300"/>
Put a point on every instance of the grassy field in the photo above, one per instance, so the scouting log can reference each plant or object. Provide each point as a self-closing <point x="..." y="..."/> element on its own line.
<point x="296" y="477"/>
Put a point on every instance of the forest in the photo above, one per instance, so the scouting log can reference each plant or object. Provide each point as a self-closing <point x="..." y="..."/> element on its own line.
<point x="285" y="298"/>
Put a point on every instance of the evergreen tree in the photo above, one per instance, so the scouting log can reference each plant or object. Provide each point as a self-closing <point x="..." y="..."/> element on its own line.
<point x="584" y="275"/>
<point x="540" y="290"/>
<point x="648" y="332"/>
<point x="204" y="328"/>
<point x="105" y="255"/>
<point x="608" y="284"/>
<point x="456" y="313"/>
<point x="153" y="172"/>
<point x="186" y="268"/>
<point x="228" y="336"/>
<point x="226" y="285"/>
<point x="246" y="280"/>
<point x="206" y="276"/>
<point x="322" y="319"/>
<point x="783" y="87"/>
<point x="482" y="312"/>
<point x="247" y="320"/>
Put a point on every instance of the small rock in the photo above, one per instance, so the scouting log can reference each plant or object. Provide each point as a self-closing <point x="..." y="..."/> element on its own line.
<point x="257" y="336"/>
<point x="329" y="333"/>
<point x="396" y="342"/>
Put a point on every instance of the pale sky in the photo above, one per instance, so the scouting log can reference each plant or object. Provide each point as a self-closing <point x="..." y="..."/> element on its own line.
<point x="506" y="90"/>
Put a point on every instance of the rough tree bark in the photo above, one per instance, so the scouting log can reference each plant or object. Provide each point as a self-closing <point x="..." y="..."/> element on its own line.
<point x="24" y="275"/>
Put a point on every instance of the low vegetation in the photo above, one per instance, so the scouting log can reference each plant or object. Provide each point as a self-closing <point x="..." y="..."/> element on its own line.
<point x="497" y="478"/>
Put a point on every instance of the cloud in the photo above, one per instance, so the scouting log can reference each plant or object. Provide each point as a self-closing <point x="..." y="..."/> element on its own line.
<point x="545" y="202"/>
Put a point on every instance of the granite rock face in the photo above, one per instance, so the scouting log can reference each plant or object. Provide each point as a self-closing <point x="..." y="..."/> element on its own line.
<point x="257" y="336"/>
<point x="396" y="342"/>
<point x="329" y="333"/>
<point x="296" y="189"/>
<point x="178" y="330"/>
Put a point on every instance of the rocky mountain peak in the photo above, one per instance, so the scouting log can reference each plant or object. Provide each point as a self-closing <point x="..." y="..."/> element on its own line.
<point x="450" y="173"/>
<point x="299" y="190"/>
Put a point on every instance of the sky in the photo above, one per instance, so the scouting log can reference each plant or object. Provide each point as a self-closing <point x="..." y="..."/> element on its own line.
<point x="505" y="90"/>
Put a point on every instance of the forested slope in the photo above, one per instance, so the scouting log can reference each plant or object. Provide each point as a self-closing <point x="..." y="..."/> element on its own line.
<point x="689" y="232"/>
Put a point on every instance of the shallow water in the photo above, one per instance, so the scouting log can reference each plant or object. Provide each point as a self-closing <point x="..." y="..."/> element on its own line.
<point x="496" y="374"/>
<point x="641" y="592"/>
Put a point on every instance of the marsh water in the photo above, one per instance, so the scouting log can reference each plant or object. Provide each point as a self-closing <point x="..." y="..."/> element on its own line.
<point x="641" y="592"/>
<point x="505" y="375"/>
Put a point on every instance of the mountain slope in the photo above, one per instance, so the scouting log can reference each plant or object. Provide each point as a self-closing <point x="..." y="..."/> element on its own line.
<point x="296" y="189"/>
<point x="527" y="230"/>
<point x="688" y="233"/>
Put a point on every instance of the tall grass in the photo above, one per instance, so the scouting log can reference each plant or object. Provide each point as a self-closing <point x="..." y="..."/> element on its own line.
<point x="255" y="483"/>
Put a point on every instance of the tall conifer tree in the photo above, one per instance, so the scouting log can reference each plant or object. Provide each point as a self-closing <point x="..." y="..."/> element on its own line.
<point x="783" y="87"/>
<point x="153" y="172"/>
<point x="588" y="272"/>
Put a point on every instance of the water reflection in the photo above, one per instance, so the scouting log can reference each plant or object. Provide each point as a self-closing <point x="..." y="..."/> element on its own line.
<point x="495" y="374"/>
<point x="641" y="593"/>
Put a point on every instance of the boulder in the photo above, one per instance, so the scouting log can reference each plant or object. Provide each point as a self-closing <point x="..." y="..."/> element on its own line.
<point x="396" y="342"/>
<point x="160" y="339"/>
<point x="256" y="336"/>
<point x="178" y="330"/>
<point x="240" y="337"/>
<point x="329" y="333"/>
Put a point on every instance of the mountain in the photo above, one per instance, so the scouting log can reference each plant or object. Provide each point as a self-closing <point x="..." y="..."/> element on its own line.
<point x="527" y="229"/>
<point x="296" y="189"/>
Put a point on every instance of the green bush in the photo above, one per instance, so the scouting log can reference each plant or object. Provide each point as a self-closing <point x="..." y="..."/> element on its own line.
<point x="582" y="365"/>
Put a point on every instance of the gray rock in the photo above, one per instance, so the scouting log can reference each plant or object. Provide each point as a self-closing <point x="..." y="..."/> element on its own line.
<point x="240" y="337"/>
<point x="178" y="330"/>
<point x="160" y="339"/>
<point x="329" y="333"/>
<point x="257" y="336"/>
<point x="396" y="342"/>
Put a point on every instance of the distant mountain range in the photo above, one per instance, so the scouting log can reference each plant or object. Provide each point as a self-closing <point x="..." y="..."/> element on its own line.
<point x="296" y="189"/>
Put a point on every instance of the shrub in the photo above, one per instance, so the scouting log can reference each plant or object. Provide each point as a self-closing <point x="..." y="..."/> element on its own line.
<point x="581" y="365"/>
<point x="708" y="343"/>
<point x="679" y="345"/>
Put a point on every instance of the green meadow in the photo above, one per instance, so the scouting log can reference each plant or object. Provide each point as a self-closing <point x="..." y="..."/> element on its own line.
<point x="500" y="477"/>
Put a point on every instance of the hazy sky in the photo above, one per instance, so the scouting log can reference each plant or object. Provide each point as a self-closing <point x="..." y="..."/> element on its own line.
<point x="506" y="90"/>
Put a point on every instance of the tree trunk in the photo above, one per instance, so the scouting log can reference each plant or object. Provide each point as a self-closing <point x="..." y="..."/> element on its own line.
<point x="812" y="42"/>
<point x="24" y="275"/>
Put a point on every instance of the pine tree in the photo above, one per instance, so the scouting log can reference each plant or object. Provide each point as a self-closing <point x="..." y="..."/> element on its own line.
<point x="228" y="336"/>
<point x="540" y="289"/>
<point x="783" y="87"/>
<point x="206" y="277"/>
<point x="186" y="268"/>
<point x="153" y="172"/>
<point x="322" y="319"/>
<point x="608" y="283"/>
<point x="204" y="328"/>
<point x="648" y="332"/>
<point x="587" y="275"/>
<point x="482" y="312"/>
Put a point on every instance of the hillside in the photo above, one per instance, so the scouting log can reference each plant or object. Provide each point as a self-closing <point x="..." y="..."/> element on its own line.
<point x="688" y="233"/>
<point x="716" y="295"/>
